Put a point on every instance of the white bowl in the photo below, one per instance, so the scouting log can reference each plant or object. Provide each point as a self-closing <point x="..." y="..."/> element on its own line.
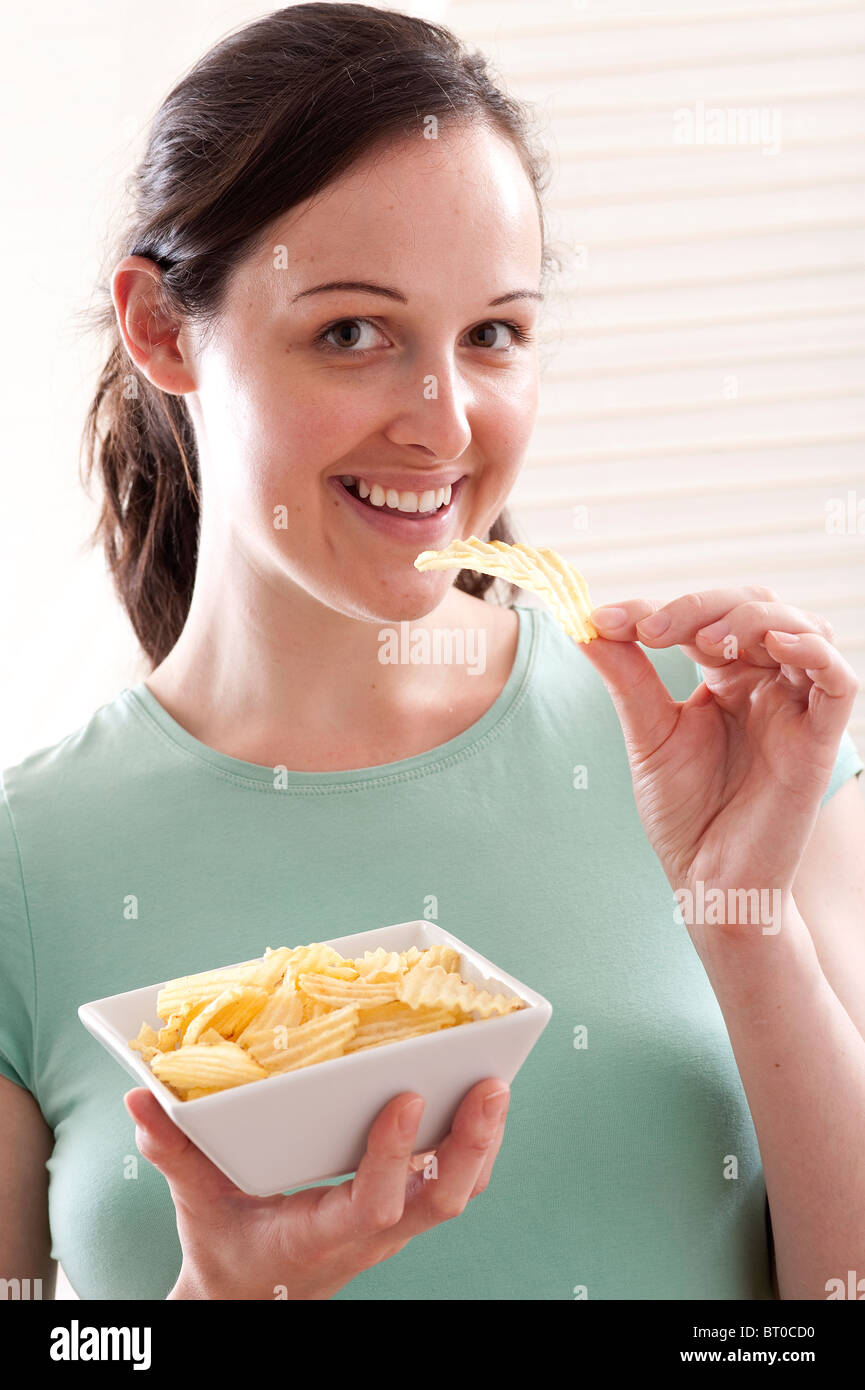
<point x="300" y="1127"/>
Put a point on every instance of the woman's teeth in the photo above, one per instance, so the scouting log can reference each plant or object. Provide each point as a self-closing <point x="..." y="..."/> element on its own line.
<point x="378" y="496"/>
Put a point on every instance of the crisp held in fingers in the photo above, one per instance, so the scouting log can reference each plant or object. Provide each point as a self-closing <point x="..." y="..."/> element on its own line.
<point x="543" y="572"/>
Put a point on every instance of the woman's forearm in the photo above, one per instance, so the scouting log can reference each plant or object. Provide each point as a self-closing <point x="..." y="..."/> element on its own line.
<point x="802" y="1064"/>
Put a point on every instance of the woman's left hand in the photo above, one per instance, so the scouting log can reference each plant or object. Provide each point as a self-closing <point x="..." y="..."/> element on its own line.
<point x="728" y="784"/>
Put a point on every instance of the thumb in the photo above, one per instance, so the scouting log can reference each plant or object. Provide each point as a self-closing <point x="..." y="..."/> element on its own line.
<point x="646" y="709"/>
<point x="190" y="1175"/>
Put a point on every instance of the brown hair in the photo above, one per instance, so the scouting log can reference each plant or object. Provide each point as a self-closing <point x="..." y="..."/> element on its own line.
<point x="264" y="120"/>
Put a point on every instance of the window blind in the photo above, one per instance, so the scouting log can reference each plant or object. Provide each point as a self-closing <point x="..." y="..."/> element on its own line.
<point x="701" y="417"/>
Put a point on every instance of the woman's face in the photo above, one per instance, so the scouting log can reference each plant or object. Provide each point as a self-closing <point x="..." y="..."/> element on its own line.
<point x="334" y="424"/>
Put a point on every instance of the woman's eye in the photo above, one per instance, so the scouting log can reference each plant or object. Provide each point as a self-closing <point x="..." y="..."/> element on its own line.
<point x="347" y="344"/>
<point x="343" y="342"/>
<point x="518" y="335"/>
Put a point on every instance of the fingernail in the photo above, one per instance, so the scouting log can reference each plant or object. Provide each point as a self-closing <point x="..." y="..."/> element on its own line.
<point x="495" y="1105"/>
<point x="656" y="624"/>
<point x="409" y="1117"/>
<point x="787" y="639"/>
<point x="715" y="631"/>
<point x="609" y="617"/>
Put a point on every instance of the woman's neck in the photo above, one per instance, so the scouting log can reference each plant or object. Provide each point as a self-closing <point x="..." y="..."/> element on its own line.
<point x="278" y="679"/>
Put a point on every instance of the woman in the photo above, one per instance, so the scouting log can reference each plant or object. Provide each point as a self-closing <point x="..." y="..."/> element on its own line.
<point x="268" y="483"/>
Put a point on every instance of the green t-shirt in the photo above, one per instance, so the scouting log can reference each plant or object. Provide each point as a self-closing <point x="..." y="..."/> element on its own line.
<point x="612" y="1171"/>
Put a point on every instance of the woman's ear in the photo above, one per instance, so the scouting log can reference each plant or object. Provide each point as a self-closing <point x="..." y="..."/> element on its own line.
<point x="152" y="331"/>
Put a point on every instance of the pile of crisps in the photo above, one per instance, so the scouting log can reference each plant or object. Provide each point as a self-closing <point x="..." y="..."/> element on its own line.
<point x="297" y="1006"/>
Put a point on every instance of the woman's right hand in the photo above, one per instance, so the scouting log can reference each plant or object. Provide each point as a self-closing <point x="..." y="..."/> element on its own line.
<point x="309" y="1245"/>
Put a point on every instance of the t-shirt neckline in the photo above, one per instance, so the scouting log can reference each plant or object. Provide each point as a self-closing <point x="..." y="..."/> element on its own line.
<point x="279" y="779"/>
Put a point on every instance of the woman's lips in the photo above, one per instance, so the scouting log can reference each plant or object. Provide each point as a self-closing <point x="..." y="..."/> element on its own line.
<point x="416" y="527"/>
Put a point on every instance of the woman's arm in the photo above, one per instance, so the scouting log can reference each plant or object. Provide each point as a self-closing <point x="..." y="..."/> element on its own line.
<point x="835" y="855"/>
<point x="802" y="1064"/>
<point x="829" y="889"/>
<point x="25" y="1238"/>
<point x="728" y="785"/>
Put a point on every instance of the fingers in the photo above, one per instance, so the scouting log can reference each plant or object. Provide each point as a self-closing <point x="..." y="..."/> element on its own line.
<point x="483" y="1178"/>
<point x="374" y="1199"/>
<point x="645" y="708"/>
<point x="715" y="626"/>
<point x="685" y="615"/>
<point x="420" y="1163"/>
<point x="835" y="684"/>
<point x="747" y="625"/>
<point x="192" y="1178"/>
<point x="464" y="1159"/>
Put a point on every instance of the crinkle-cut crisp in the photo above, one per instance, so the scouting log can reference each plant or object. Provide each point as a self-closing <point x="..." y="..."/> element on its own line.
<point x="207" y="1064"/>
<point x="411" y="1023"/>
<point x="543" y="572"/>
<point x="432" y="984"/>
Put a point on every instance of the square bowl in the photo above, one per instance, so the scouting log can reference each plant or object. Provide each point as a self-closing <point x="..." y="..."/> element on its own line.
<point x="306" y="1125"/>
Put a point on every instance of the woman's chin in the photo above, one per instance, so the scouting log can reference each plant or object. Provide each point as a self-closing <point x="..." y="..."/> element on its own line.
<point x="407" y="607"/>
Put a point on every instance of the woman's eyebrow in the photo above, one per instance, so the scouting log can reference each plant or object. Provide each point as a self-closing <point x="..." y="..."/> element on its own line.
<point x="364" y="287"/>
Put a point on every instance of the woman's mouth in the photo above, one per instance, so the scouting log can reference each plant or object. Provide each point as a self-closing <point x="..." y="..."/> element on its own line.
<point x="402" y="511"/>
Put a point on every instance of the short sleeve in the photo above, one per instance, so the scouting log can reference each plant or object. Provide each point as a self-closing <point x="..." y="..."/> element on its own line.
<point x="17" y="974"/>
<point x="847" y="764"/>
<point x="682" y="676"/>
